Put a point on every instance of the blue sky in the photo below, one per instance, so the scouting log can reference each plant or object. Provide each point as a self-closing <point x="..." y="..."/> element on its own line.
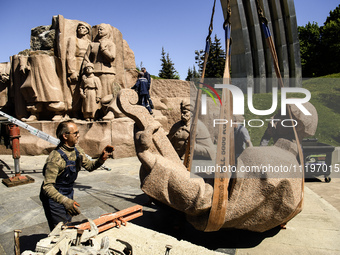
<point x="180" y="26"/>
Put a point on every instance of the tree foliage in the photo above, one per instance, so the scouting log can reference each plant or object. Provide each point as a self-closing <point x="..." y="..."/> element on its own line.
<point x="192" y="74"/>
<point x="168" y="70"/>
<point x="320" y="46"/>
<point x="310" y="42"/>
<point x="330" y="40"/>
<point x="215" y="62"/>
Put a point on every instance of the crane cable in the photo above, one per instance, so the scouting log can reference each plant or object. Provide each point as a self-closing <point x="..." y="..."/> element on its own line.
<point x="189" y="152"/>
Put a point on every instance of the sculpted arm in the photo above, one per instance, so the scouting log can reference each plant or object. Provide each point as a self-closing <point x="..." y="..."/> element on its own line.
<point x="108" y="50"/>
<point x="170" y="182"/>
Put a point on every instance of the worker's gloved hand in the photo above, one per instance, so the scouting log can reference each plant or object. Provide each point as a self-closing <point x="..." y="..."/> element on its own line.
<point x="71" y="207"/>
<point x="107" y="152"/>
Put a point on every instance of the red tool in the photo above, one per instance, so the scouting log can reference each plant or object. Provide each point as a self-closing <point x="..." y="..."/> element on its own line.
<point x="17" y="179"/>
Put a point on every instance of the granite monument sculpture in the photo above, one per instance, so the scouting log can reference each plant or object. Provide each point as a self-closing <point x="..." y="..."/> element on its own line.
<point x="258" y="201"/>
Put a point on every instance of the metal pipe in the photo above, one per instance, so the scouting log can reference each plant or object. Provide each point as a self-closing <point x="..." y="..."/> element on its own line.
<point x="14" y="134"/>
<point x="168" y="248"/>
<point x="16" y="242"/>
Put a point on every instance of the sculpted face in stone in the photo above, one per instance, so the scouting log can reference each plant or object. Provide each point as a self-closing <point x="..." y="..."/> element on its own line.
<point x="185" y="111"/>
<point x="185" y="116"/>
<point x="89" y="69"/>
<point x="103" y="30"/>
<point x="82" y="30"/>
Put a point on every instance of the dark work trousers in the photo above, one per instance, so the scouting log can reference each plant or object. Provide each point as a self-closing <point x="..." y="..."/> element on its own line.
<point x="144" y="100"/>
<point x="54" y="211"/>
<point x="150" y="103"/>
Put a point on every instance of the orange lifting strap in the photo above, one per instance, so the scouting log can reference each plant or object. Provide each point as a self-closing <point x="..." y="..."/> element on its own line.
<point x="271" y="46"/>
<point x="225" y="144"/>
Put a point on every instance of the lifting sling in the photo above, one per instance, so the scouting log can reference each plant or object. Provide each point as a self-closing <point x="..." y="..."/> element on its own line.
<point x="271" y="46"/>
<point x="225" y="132"/>
<point x="225" y="144"/>
<point x="189" y="153"/>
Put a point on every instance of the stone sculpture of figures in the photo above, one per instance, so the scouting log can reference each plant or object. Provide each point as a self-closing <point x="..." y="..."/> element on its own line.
<point x="258" y="200"/>
<point x="4" y="83"/>
<point x="42" y="87"/>
<point x="90" y="91"/>
<point x="180" y="132"/>
<point x="4" y="76"/>
<point x="102" y="53"/>
<point x="76" y="49"/>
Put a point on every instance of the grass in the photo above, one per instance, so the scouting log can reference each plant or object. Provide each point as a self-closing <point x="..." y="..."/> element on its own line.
<point x="325" y="96"/>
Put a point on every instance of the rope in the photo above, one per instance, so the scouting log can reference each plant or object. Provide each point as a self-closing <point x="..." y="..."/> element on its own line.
<point x="189" y="152"/>
<point x="260" y="13"/>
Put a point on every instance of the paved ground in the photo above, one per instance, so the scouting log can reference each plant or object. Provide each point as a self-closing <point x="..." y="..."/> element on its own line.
<point x="316" y="230"/>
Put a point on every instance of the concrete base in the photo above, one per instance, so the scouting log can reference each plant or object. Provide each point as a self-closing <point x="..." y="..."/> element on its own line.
<point x="314" y="231"/>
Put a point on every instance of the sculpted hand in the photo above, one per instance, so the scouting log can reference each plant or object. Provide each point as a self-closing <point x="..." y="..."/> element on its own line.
<point x="74" y="76"/>
<point x="103" y="45"/>
<point x="71" y="206"/>
<point x="107" y="152"/>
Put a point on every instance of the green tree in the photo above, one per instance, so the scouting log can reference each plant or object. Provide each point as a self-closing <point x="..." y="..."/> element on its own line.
<point x="189" y="75"/>
<point x="330" y="41"/>
<point x="168" y="70"/>
<point x="199" y="59"/>
<point x="215" y="62"/>
<point x="310" y="41"/>
<point x="320" y="46"/>
<point x="192" y="74"/>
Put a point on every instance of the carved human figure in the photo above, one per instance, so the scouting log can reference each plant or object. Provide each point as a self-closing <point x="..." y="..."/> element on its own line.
<point x="180" y="132"/>
<point x="42" y="87"/>
<point x="90" y="91"/>
<point x="102" y="53"/>
<point x="75" y="52"/>
<point x="4" y="83"/>
<point x="258" y="200"/>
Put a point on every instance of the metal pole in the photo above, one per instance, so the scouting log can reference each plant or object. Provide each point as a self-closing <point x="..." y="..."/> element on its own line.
<point x="16" y="242"/>
<point x="14" y="134"/>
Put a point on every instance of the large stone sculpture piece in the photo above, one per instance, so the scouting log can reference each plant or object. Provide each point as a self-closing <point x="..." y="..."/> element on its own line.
<point x="102" y="53"/>
<point x="250" y="56"/>
<point x="42" y="85"/>
<point x="180" y="132"/>
<point x="59" y="53"/>
<point x="75" y="52"/>
<point x="90" y="91"/>
<point x="42" y="88"/>
<point x="4" y="83"/>
<point x="258" y="201"/>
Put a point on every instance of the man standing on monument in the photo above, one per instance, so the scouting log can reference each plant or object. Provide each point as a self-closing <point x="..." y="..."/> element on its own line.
<point x="141" y="87"/>
<point x="147" y="76"/>
<point x="61" y="171"/>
